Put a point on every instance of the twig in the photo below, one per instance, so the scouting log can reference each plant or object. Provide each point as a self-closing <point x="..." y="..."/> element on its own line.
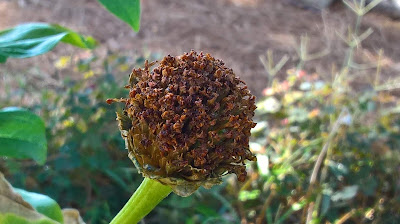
<point x="267" y="202"/>
<point x="303" y="54"/>
<point x="326" y="145"/>
<point x="346" y="217"/>
<point x="320" y="158"/>
<point x="269" y="65"/>
<point x="378" y="68"/>
<point x="240" y="205"/>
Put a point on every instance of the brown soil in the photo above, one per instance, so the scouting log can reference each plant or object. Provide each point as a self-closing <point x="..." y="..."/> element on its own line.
<point x="237" y="31"/>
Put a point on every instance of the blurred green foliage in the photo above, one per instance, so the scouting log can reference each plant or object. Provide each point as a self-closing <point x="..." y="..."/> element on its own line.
<point x="42" y="204"/>
<point x="32" y="39"/>
<point x="358" y="180"/>
<point x="87" y="165"/>
<point x="127" y="11"/>
<point x="21" y="130"/>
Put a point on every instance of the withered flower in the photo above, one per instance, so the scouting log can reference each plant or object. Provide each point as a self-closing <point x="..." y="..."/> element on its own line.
<point x="187" y="122"/>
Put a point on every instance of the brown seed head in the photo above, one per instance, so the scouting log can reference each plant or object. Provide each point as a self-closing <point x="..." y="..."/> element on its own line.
<point x="187" y="122"/>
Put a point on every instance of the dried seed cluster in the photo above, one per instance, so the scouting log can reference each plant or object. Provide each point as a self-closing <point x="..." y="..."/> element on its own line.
<point x="187" y="122"/>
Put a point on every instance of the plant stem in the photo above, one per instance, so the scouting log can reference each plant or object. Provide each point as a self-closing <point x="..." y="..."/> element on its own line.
<point x="145" y="198"/>
<point x="318" y="163"/>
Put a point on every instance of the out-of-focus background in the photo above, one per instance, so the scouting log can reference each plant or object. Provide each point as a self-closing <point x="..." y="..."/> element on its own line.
<point x="326" y="79"/>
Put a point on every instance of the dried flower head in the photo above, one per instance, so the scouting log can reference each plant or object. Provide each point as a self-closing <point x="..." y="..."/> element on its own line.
<point x="187" y="122"/>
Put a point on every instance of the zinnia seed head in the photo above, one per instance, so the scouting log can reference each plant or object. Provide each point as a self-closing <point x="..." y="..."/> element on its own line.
<point x="187" y="122"/>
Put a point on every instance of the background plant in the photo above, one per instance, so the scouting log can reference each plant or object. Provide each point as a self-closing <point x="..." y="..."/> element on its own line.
<point x="328" y="151"/>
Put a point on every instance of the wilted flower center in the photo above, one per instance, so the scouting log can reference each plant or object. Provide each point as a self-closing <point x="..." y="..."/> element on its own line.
<point x="188" y="121"/>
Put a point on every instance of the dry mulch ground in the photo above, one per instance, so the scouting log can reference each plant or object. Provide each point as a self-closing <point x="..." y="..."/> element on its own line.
<point x="237" y="31"/>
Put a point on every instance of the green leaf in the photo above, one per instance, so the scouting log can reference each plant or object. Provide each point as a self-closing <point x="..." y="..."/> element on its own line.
<point x="75" y="39"/>
<point x="22" y="135"/>
<point x="206" y="211"/>
<point x="346" y="194"/>
<point x="325" y="204"/>
<point x="295" y="207"/>
<point x="368" y="185"/>
<point x="263" y="165"/>
<point x="338" y="169"/>
<point x="249" y="195"/>
<point x="15" y="210"/>
<point x="269" y="105"/>
<point x="10" y="218"/>
<point x="118" y="180"/>
<point x="126" y="10"/>
<point x="43" y="204"/>
<point x="31" y="39"/>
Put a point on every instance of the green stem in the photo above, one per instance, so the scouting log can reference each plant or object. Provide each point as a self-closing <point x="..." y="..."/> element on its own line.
<point x="145" y="198"/>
